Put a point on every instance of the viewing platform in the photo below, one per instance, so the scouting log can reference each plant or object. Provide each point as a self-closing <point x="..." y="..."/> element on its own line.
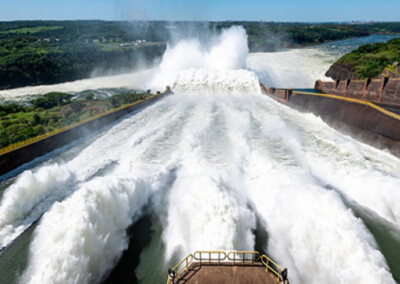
<point x="218" y="267"/>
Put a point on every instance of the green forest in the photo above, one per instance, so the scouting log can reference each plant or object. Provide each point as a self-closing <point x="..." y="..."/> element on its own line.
<point x="370" y="60"/>
<point x="48" y="52"/>
<point x="53" y="111"/>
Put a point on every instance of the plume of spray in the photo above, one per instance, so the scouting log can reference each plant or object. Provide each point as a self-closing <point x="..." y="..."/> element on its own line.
<point x="190" y="66"/>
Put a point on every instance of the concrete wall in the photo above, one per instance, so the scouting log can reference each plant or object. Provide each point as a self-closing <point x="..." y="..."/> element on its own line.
<point x="353" y="113"/>
<point x="357" y="114"/>
<point x="13" y="159"/>
<point x="279" y="94"/>
<point x="384" y="90"/>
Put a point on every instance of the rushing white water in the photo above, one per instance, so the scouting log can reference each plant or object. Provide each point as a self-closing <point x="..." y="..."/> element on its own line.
<point x="301" y="67"/>
<point x="131" y="80"/>
<point x="309" y="227"/>
<point x="298" y="68"/>
<point x="213" y="157"/>
<point x="209" y="160"/>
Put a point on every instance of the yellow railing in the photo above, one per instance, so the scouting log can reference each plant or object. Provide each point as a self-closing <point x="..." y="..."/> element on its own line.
<point x="217" y="257"/>
<point x="274" y="268"/>
<point x="38" y="138"/>
<point x="240" y="256"/>
<point x="357" y="101"/>
<point x="180" y="267"/>
<point x="210" y="256"/>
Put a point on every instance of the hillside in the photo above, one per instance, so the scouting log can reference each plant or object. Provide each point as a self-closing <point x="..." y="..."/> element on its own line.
<point x="367" y="61"/>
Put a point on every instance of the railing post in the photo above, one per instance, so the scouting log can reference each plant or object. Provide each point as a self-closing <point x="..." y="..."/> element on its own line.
<point x="384" y="82"/>
<point x="367" y="82"/>
<point x="336" y="85"/>
<point x="290" y="93"/>
<point x="348" y="81"/>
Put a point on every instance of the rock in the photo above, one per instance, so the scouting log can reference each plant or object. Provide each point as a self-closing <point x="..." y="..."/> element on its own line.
<point x="340" y="71"/>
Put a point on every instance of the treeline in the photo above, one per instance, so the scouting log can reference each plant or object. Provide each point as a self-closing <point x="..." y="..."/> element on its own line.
<point x="34" y="65"/>
<point x="274" y="36"/>
<point x="48" y="52"/>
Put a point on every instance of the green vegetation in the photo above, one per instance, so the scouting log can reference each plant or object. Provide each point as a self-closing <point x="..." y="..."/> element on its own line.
<point x="31" y="30"/>
<point x="370" y="60"/>
<point x="53" y="111"/>
<point x="49" y="52"/>
<point x="272" y="36"/>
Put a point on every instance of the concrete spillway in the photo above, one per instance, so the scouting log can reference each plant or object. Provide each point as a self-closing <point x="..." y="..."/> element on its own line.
<point x="215" y="171"/>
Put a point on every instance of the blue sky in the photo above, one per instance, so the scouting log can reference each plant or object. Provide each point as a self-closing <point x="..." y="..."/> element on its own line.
<point x="257" y="10"/>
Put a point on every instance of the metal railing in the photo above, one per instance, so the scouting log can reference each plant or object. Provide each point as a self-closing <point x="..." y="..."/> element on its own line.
<point x="234" y="258"/>
<point x="209" y="256"/>
<point x="240" y="256"/>
<point x="273" y="267"/>
<point x="183" y="265"/>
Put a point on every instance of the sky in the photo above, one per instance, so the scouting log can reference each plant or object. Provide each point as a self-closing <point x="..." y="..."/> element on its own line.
<point x="199" y="10"/>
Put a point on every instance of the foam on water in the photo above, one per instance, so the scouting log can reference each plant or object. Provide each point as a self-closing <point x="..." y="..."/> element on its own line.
<point x="204" y="81"/>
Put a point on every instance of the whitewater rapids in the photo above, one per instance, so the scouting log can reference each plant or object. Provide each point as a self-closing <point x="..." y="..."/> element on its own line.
<point x="215" y="163"/>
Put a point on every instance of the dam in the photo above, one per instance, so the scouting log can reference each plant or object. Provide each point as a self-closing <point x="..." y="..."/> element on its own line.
<point x="206" y="169"/>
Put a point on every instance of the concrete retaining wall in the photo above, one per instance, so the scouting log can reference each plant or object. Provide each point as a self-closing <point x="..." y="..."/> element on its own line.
<point x="352" y="113"/>
<point x="362" y="114"/>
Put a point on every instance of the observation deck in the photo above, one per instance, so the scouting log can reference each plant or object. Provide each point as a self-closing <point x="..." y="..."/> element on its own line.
<point x="218" y="267"/>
